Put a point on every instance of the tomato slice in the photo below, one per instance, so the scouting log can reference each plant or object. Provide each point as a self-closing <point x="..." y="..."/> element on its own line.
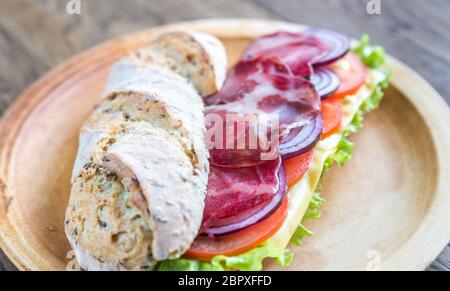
<point x="352" y="72"/>
<point x="332" y="113"/>
<point x="296" y="167"/>
<point x="205" y="248"/>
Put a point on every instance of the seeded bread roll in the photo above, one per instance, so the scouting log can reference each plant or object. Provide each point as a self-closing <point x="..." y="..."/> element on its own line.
<point x="140" y="175"/>
<point x="197" y="56"/>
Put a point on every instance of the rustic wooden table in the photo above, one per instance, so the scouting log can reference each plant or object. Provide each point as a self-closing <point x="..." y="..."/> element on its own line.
<point x="36" y="35"/>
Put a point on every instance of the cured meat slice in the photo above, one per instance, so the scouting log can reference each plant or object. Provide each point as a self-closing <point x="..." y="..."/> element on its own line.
<point x="263" y="91"/>
<point x="237" y="140"/>
<point x="241" y="78"/>
<point x="233" y="191"/>
<point x="247" y="218"/>
<point x="297" y="50"/>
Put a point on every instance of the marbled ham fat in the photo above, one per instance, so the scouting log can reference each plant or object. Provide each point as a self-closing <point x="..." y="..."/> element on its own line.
<point x="233" y="191"/>
<point x="263" y="88"/>
<point x="297" y="51"/>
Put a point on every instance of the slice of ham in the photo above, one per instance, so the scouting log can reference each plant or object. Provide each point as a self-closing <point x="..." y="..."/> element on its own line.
<point x="231" y="192"/>
<point x="232" y="139"/>
<point x="262" y="88"/>
<point x="240" y="80"/>
<point x="297" y="50"/>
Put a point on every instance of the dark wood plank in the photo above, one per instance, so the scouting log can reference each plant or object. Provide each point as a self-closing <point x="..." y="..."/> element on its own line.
<point x="5" y="264"/>
<point x="36" y="35"/>
<point x="415" y="31"/>
<point x="442" y="263"/>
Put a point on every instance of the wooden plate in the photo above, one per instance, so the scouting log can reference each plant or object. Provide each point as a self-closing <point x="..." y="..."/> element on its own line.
<point x="388" y="208"/>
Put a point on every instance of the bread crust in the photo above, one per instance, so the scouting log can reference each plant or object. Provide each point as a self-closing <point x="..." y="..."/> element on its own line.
<point x="141" y="171"/>
<point x="197" y="56"/>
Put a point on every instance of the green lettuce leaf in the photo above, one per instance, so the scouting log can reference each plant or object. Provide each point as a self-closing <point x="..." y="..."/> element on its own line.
<point x="249" y="261"/>
<point x="300" y="233"/>
<point x="252" y="260"/>
<point x="373" y="102"/>
<point x="314" y="206"/>
<point x="372" y="56"/>
<point x="356" y="125"/>
<point x="185" y="265"/>
<point x="313" y="212"/>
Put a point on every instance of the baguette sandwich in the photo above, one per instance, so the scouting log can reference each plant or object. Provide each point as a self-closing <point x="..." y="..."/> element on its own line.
<point x="167" y="176"/>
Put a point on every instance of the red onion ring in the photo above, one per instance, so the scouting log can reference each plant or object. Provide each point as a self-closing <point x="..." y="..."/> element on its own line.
<point x="303" y="139"/>
<point x="259" y="216"/>
<point x="338" y="44"/>
<point x="326" y="82"/>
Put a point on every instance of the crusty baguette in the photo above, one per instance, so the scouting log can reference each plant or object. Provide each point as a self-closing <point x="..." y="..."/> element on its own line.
<point x="197" y="56"/>
<point x="140" y="175"/>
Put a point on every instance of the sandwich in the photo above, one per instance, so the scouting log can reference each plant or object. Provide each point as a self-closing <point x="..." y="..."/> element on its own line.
<point x="182" y="166"/>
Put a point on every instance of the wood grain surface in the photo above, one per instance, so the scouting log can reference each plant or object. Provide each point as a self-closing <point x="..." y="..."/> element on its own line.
<point x="37" y="35"/>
